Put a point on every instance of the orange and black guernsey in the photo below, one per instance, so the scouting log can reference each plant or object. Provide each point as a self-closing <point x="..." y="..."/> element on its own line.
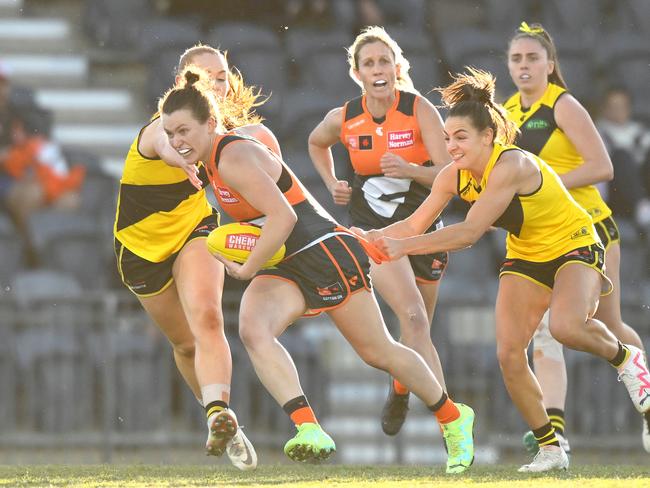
<point x="313" y="221"/>
<point x="378" y="200"/>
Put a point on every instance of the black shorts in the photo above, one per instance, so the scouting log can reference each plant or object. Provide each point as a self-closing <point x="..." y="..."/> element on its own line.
<point x="429" y="268"/>
<point x="146" y="278"/>
<point x="326" y="273"/>
<point x="608" y="232"/>
<point x="544" y="273"/>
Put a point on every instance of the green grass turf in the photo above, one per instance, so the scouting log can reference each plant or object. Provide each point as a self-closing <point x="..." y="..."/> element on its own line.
<point x="313" y="476"/>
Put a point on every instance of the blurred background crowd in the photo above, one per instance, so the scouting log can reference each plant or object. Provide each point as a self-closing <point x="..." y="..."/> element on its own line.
<point x="79" y="78"/>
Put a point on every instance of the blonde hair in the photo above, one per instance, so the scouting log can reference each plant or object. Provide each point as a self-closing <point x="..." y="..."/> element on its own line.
<point x="378" y="34"/>
<point x="471" y="95"/>
<point x="238" y="107"/>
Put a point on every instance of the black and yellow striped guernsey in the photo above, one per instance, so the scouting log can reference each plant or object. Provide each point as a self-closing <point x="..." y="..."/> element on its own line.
<point x="540" y="135"/>
<point x="541" y="225"/>
<point x="157" y="206"/>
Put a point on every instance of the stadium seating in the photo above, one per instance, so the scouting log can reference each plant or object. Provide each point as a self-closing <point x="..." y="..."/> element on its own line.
<point x="11" y="250"/>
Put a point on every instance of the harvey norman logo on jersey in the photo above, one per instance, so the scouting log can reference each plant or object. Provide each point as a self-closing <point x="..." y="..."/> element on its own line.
<point x="400" y="139"/>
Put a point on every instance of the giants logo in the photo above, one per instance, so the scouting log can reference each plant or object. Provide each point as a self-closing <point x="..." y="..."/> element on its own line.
<point x="225" y="196"/>
<point x="400" y="139"/>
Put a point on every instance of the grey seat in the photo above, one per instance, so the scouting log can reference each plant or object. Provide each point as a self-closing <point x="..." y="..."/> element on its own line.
<point x="11" y="250"/>
<point x="165" y="31"/>
<point x="326" y="72"/>
<point x="116" y="23"/>
<point x="237" y="36"/>
<point x="52" y="359"/>
<point x="560" y="15"/>
<point x="142" y="368"/>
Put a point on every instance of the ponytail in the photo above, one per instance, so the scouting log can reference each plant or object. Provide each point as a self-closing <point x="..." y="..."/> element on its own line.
<point x="471" y="95"/>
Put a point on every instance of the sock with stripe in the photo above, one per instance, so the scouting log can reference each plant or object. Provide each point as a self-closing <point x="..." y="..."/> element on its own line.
<point x="299" y="411"/>
<point x="215" y="407"/>
<point x="545" y="436"/>
<point x="445" y="410"/>
<point x="557" y="419"/>
<point x="399" y="388"/>
<point x="621" y="356"/>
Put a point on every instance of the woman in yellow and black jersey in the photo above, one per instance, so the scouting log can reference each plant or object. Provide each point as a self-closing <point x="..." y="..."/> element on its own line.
<point x="393" y="136"/>
<point x="162" y="219"/>
<point x="554" y="257"/>
<point x="326" y="270"/>
<point x="554" y="126"/>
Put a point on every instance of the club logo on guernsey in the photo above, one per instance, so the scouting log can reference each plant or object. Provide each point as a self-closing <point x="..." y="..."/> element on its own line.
<point x="241" y="242"/>
<point x="400" y="139"/>
<point x="225" y="196"/>
<point x="352" y="142"/>
<point x="365" y="143"/>
<point x="583" y="231"/>
<point x="537" y="124"/>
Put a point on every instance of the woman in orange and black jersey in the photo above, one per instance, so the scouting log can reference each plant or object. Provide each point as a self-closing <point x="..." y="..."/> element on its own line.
<point x="395" y="141"/>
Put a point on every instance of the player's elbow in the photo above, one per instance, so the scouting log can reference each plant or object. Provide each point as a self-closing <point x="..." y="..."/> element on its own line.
<point x="290" y="218"/>
<point x="470" y="235"/>
<point x="608" y="173"/>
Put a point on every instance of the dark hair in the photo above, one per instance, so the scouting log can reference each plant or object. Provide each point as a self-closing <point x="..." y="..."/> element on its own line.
<point x="193" y="93"/>
<point x="241" y="99"/>
<point x="472" y="95"/>
<point x="537" y="32"/>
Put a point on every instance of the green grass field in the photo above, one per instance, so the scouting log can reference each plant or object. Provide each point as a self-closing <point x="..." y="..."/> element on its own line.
<point x="310" y="476"/>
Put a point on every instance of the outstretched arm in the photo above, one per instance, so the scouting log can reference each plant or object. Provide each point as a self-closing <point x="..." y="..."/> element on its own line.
<point x="504" y="183"/>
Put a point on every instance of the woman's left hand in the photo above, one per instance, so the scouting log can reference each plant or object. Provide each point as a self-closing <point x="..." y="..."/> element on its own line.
<point x="393" y="248"/>
<point x="394" y="166"/>
<point x="234" y="270"/>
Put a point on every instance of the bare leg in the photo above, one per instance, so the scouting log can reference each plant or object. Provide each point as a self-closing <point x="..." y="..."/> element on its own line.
<point x="199" y="281"/>
<point x="375" y="346"/>
<point x="268" y="306"/>
<point x="609" y="308"/>
<point x="514" y="330"/>
<point x="166" y="311"/>
<point x="395" y="282"/>
<point x="573" y="303"/>
<point x="550" y="367"/>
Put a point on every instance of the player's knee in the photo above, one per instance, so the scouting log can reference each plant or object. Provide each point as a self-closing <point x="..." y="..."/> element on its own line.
<point x="414" y="321"/>
<point x="374" y="358"/>
<point x="185" y="348"/>
<point x="206" y="319"/>
<point x="564" y="331"/>
<point x="252" y="333"/>
<point x="512" y="360"/>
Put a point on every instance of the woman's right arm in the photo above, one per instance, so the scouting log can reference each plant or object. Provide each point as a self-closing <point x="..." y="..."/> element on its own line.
<point x="321" y="139"/>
